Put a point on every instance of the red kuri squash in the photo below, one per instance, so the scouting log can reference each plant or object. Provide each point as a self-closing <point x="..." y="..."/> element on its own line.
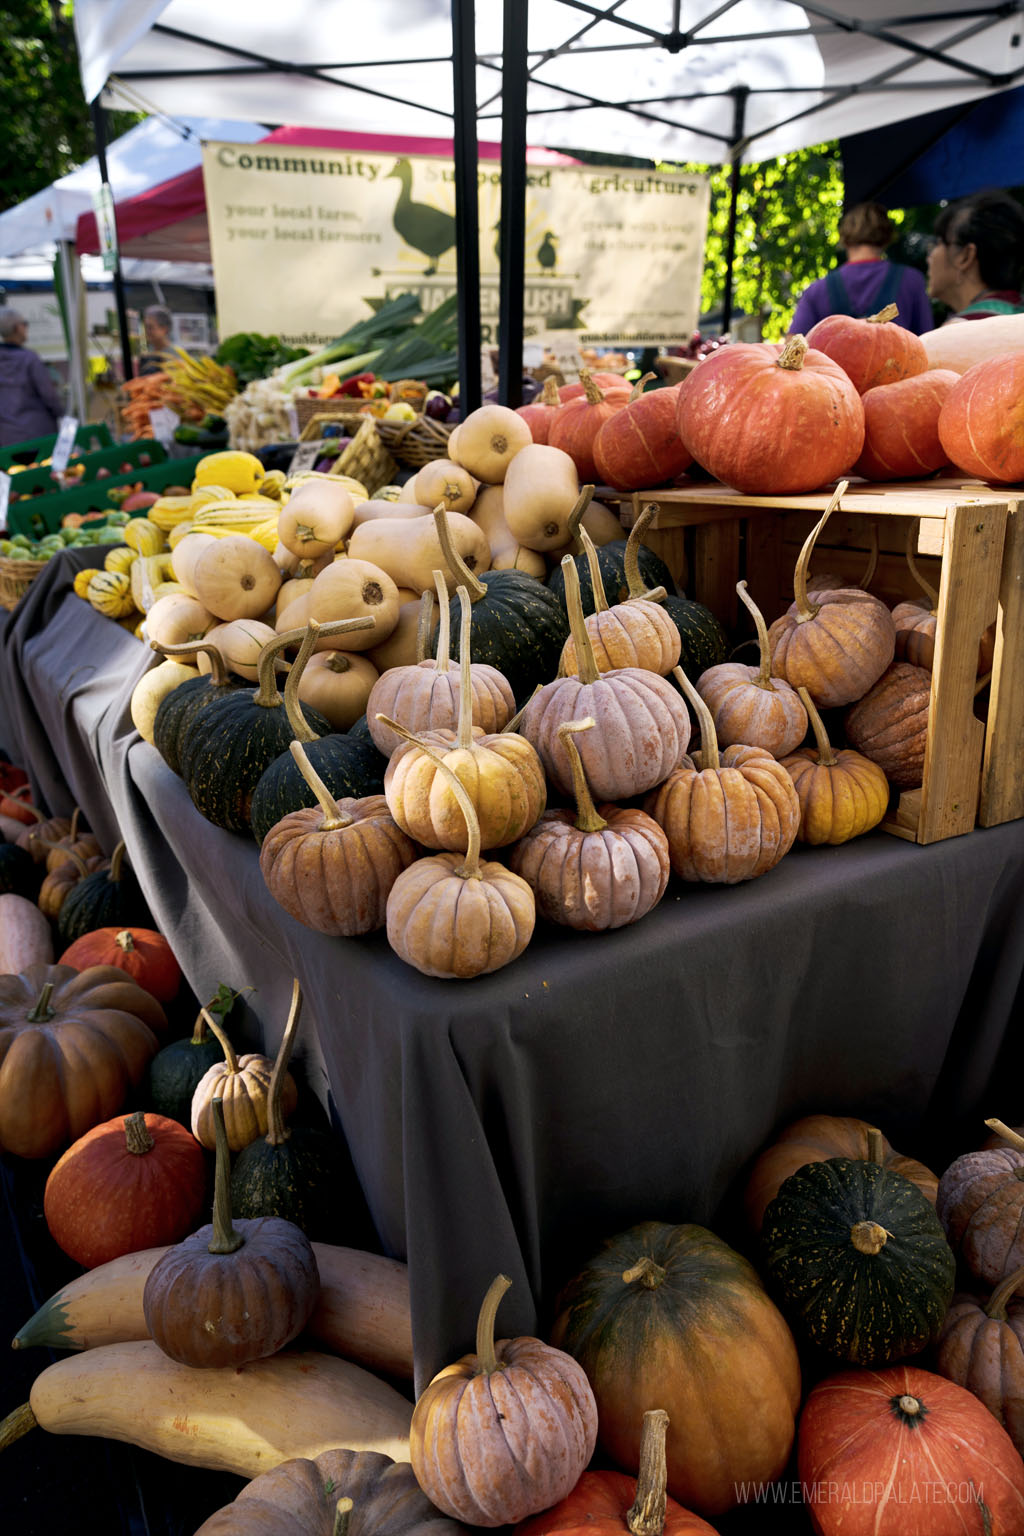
<point x="576" y="425"/>
<point x="540" y="412"/>
<point x="981" y="425"/>
<point x="142" y="952"/>
<point x="901" y="426"/>
<point x="640" y="445"/>
<point x="872" y="351"/>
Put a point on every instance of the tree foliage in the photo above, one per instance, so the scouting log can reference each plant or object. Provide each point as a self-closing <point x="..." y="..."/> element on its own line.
<point x="45" y="126"/>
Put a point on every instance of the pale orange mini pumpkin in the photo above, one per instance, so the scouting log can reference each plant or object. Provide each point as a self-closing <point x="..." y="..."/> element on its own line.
<point x="636" y="633"/>
<point x="242" y="1083"/>
<point x="747" y="704"/>
<point x="842" y="794"/>
<point x="917" y="625"/>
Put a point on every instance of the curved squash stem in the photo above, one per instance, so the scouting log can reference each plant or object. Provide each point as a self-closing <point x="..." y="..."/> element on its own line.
<point x="444" y="624"/>
<point x="764" y="676"/>
<point x="342" y="1514"/>
<point x="230" y="1059"/>
<point x="199" y="1029"/>
<point x="219" y="676"/>
<point x="594" y="566"/>
<point x="78" y="861"/>
<point x="575" y="517"/>
<point x="137" y="1139"/>
<point x="804" y="609"/>
<point x="646" y="1515"/>
<point x="884" y="315"/>
<point x="876" y="1146"/>
<point x="587" y="817"/>
<point x="586" y="666"/>
<point x="708" y="738"/>
<point x="334" y="817"/>
<point x="915" y="570"/>
<point x="996" y="1305"/>
<point x="277" y="1131"/>
<point x="1010" y="1137"/>
<point x="485" y="1354"/>
<point x="469" y="869"/>
<point x="631" y="556"/>
<point x="826" y="756"/>
<point x="301" y="729"/>
<point x="42" y="1013"/>
<point x="464" y="737"/>
<point x="116" y="861"/>
<point x="75" y="815"/>
<point x="425" y="623"/>
<point x="792" y="354"/>
<point x="453" y="560"/>
<point x="872" y="564"/>
<point x="224" y="1239"/>
<point x="17" y="1423"/>
<point x="513" y="725"/>
<point x="639" y="387"/>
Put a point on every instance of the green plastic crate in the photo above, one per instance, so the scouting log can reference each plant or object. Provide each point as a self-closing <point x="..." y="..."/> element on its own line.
<point x="91" y="435"/>
<point x="104" y="458"/>
<point x="42" y="514"/>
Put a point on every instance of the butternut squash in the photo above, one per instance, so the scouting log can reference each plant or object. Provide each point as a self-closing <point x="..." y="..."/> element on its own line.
<point x="362" y="1311"/>
<point x="295" y="615"/>
<point x="239" y="644"/>
<point x="443" y="481"/>
<point x="488" y="441"/>
<point x="962" y="343"/>
<point x="235" y="578"/>
<point x="352" y="589"/>
<point x="541" y="490"/>
<point x="177" y="619"/>
<point x="232" y="1419"/>
<point x="338" y="683"/>
<point x="506" y="554"/>
<point x="399" y="649"/>
<point x="315" y="519"/>
<point x="370" y="511"/>
<point x="184" y="556"/>
<point x="25" y="935"/>
<point x="410" y="551"/>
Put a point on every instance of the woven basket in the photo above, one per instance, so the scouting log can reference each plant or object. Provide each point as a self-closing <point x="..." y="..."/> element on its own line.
<point x="335" y="406"/>
<point x="366" y="458"/>
<point x="16" y="576"/>
<point x="415" y="443"/>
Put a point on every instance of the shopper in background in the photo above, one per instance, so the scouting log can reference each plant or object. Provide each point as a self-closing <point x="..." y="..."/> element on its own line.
<point x="867" y="281"/>
<point x="157" y="323"/>
<point x="976" y="262"/>
<point x="30" y="404"/>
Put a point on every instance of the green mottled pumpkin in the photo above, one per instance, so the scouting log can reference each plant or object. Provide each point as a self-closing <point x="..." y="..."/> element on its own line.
<point x="108" y="898"/>
<point x="178" y="708"/>
<point x="175" y="1073"/>
<point x="295" y="1171"/>
<point x="859" y="1260"/>
<point x="228" y="746"/>
<point x="518" y="625"/>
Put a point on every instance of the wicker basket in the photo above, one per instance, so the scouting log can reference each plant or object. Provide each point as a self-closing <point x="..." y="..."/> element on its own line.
<point x="334" y="406"/>
<point x="366" y="458"/>
<point x="415" y="443"/>
<point x="16" y="576"/>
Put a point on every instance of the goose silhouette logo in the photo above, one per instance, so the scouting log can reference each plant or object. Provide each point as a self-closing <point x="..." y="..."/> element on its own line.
<point x="429" y="230"/>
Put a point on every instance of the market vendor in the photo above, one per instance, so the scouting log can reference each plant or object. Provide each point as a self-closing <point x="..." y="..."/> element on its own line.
<point x="976" y="261"/>
<point x="157" y="322"/>
<point x="30" y="404"/>
<point x="867" y="281"/>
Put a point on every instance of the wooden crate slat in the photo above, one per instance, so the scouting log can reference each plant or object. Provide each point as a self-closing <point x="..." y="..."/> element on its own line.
<point x="1002" y="772"/>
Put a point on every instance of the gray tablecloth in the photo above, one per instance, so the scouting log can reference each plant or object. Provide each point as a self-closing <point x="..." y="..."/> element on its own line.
<point x="512" y="1122"/>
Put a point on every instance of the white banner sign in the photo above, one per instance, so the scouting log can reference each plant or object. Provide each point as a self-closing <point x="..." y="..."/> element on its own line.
<point x="303" y="239"/>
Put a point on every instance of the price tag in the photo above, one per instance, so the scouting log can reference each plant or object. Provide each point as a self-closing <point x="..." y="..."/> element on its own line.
<point x="5" y="497"/>
<point x="162" y="423"/>
<point x="64" y="444"/>
<point x="304" y="457"/>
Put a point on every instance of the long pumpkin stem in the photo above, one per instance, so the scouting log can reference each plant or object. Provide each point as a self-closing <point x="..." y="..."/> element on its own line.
<point x="764" y="676"/>
<point x="42" y="1013"/>
<point x="425" y="623"/>
<point x="804" y="609"/>
<point x="219" y="676"/>
<point x="453" y="560"/>
<point x="225" y="1239"/>
<point x="639" y="387"/>
<point x="915" y="570"/>
<point x="444" y="624"/>
<point x="301" y="729"/>
<point x="594" y="566"/>
<point x="136" y="1134"/>
<point x="1005" y="1132"/>
<point x="709" y="757"/>
<point x="469" y="869"/>
<point x="826" y="756"/>
<point x="277" y="1131"/>
<point x="1000" y="1296"/>
<point x="586" y="666"/>
<point x="231" y="1060"/>
<point x="485" y="1352"/>
<point x="334" y="817"/>
<point x="342" y="1515"/>
<point x="575" y="517"/>
<point x="631" y="556"/>
<point x="116" y="861"/>
<point x="464" y="738"/>
<point x="587" y="817"/>
<point x="646" y="1516"/>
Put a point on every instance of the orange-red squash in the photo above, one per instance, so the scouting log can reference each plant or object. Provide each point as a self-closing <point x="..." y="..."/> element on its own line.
<point x="640" y="445"/>
<point x="142" y="953"/>
<point x="872" y="351"/>
<point x="981" y="425"/>
<point x="901" y="426"/>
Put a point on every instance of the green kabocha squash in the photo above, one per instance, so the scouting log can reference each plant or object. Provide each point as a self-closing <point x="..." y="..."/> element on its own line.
<point x="351" y="768"/>
<point x="295" y="1171"/>
<point x="228" y="746"/>
<point x="175" y="1073"/>
<point x="703" y="641"/>
<point x="107" y="898"/>
<point x="178" y="708"/>
<point x="517" y="624"/>
<point x="359" y="730"/>
<point x="858" y="1259"/>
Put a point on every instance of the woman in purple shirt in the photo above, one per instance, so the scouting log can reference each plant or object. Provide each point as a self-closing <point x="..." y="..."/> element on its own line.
<point x="866" y="282"/>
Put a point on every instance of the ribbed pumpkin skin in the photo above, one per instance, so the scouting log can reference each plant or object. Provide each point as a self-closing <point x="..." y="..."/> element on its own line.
<point x="981" y="426"/>
<point x="981" y="1205"/>
<point x="612" y="561"/>
<point x="594" y="880"/>
<point x="744" y="713"/>
<point x="350" y="766"/>
<point x="839" y="653"/>
<point x="491" y="1450"/>
<point x="706" y="1344"/>
<point x="576" y="425"/>
<point x="300" y="1180"/>
<point x="727" y="824"/>
<point x="244" y="1094"/>
<point x="640" y="445"/>
<point x="207" y="1310"/>
<point x="766" y="429"/>
<point x="870" y="352"/>
<point x="227" y="748"/>
<point x="60" y="1078"/>
<point x="932" y="1466"/>
<point x="641" y="731"/>
<point x="599" y="1504"/>
<point x="633" y="634"/>
<point x="519" y="628"/>
<point x="103" y="1200"/>
<point x="866" y="1309"/>
<point x="176" y="711"/>
<point x="142" y="953"/>
<point x="457" y="928"/>
<point x="814" y="1139"/>
<point x="300" y="1497"/>
<point x="703" y="639"/>
<point x="901" y="427"/>
<point x="840" y="800"/>
<point x="890" y="723"/>
<point x="916" y="632"/>
<point x="423" y="699"/>
<point x="336" y="882"/>
<point x="502" y="775"/>
<point x="986" y="1356"/>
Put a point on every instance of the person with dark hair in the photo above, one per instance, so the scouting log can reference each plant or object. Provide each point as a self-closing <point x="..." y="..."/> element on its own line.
<point x="157" y="323"/>
<point x="977" y="256"/>
<point x="866" y="282"/>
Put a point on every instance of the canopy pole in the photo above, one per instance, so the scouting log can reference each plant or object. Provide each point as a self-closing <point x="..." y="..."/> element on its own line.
<point x="512" y="240"/>
<point x="739" y="98"/>
<point x="99" y="129"/>
<point x="467" y="219"/>
<point x="71" y="280"/>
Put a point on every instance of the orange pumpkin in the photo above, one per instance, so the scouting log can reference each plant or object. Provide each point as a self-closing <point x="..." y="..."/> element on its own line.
<point x="870" y="352"/>
<point x="574" y="427"/>
<point x="142" y="953"/>
<point x="640" y="445"/>
<point x="842" y="794"/>
<point x="981" y="425"/>
<point x="901" y="427"/>
<point x="749" y="706"/>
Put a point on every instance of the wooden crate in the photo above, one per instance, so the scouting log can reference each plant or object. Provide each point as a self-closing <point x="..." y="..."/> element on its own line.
<point x="971" y="545"/>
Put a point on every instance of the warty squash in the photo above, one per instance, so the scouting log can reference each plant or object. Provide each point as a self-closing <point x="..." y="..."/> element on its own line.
<point x="889" y="724"/>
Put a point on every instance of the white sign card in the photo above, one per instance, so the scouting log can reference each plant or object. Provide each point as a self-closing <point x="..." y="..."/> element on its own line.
<point x="64" y="444"/>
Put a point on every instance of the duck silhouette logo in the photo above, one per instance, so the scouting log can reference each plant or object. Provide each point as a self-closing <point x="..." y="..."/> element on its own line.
<point x="547" y="255"/>
<point x="429" y="230"/>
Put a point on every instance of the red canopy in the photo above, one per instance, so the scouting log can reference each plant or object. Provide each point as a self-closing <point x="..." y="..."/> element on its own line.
<point x="168" y="222"/>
